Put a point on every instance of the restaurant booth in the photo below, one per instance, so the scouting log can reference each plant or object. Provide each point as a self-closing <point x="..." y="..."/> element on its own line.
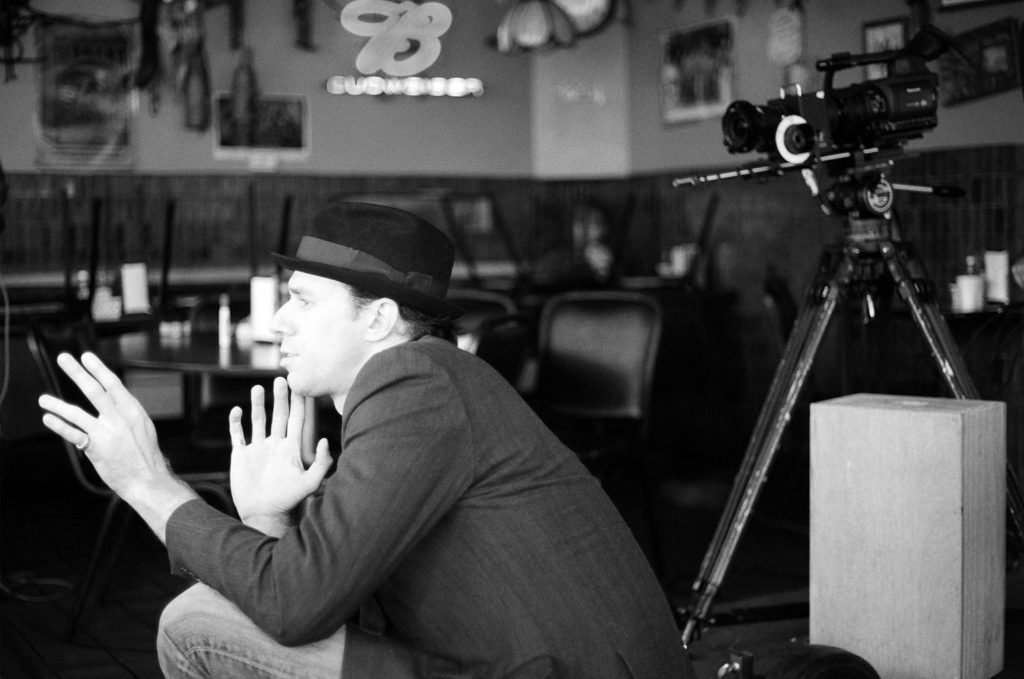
<point x="149" y="167"/>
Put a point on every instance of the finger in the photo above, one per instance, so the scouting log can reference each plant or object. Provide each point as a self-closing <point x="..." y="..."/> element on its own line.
<point x="258" y="415"/>
<point x="322" y="461"/>
<point x="297" y="416"/>
<point x="85" y="382"/>
<point x="72" y="435"/>
<point x="128" y="407"/>
<point x="66" y="411"/>
<point x="105" y="376"/>
<point x="317" y="470"/>
<point x="235" y="430"/>
<point x="279" y="423"/>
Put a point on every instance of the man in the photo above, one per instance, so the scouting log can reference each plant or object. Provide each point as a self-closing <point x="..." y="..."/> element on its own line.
<point x="456" y="538"/>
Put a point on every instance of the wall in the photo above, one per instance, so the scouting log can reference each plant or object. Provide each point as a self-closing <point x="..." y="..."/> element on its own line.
<point x="581" y="108"/>
<point x="488" y="135"/>
<point x="830" y="26"/>
<point x="524" y="125"/>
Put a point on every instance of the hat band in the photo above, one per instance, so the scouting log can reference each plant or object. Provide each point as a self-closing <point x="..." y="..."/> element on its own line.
<point x="321" y="251"/>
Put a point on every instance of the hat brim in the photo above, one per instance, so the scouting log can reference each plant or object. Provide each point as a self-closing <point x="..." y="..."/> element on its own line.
<point x="373" y="283"/>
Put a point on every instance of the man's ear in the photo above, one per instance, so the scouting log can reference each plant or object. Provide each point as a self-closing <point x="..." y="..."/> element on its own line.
<point x="384" y="319"/>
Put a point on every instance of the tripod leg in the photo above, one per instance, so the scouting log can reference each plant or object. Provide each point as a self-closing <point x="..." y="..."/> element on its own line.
<point x="904" y="265"/>
<point x="787" y="383"/>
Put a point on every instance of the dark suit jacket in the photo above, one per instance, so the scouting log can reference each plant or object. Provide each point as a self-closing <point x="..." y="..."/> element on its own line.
<point x="466" y="532"/>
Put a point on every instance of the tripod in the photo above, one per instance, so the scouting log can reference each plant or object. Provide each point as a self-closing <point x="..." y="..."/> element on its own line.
<point x="869" y="245"/>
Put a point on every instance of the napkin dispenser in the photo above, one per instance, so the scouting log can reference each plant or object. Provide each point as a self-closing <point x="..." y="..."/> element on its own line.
<point x="262" y="305"/>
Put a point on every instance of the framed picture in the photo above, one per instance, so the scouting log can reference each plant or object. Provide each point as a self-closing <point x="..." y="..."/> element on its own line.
<point x="959" y="4"/>
<point x="697" y="71"/>
<point x="882" y="36"/>
<point x="86" y="112"/>
<point x="984" y="62"/>
<point x="279" y="126"/>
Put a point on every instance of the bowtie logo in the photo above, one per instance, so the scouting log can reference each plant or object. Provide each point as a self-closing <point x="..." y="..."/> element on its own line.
<point x="403" y="35"/>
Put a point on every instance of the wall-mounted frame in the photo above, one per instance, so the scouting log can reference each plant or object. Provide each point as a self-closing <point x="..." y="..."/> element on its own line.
<point x="985" y="62"/>
<point x="86" y="110"/>
<point x="961" y="4"/>
<point x="280" y="126"/>
<point x="881" y="36"/>
<point x="697" y="71"/>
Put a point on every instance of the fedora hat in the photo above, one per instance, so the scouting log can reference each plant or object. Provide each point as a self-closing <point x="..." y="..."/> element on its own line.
<point x="380" y="250"/>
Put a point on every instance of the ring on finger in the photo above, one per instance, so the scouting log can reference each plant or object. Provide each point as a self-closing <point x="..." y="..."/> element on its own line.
<point x="82" y="445"/>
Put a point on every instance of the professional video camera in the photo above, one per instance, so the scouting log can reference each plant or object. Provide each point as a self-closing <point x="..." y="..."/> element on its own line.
<point x="851" y="134"/>
<point x="882" y="113"/>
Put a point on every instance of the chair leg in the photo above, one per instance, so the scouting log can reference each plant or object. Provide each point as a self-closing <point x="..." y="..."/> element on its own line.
<point x="114" y="507"/>
<point x="117" y="534"/>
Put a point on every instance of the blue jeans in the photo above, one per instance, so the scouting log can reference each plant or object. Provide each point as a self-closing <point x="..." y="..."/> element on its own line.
<point x="203" y="635"/>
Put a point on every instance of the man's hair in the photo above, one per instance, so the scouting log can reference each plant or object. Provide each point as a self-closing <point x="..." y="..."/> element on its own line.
<point x="419" y="324"/>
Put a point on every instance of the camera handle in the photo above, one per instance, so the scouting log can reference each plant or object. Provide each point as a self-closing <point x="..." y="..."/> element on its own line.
<point x="866" y="241"/>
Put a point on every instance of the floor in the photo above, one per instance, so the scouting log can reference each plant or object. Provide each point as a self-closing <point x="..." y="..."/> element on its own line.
<point x="46" y="537"/>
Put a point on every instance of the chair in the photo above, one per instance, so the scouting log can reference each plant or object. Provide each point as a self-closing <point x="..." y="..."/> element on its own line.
<point x="205" y="475"/>
<point x="479" y="306"/>
<point x="492" y="328"/>
<point x="506" y="343"/>
<point x="595" y="370"/>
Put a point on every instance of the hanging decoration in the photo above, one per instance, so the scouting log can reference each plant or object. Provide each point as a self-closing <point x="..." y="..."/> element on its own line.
<point x="537" y="25"/>
<point x="303" y="25"/>
<point x="15" y="19"/>
<point x="534" y="25"/>
<point x="185" y="35"/>
<point x="588" y="16"/>
<point x="244" y="98"/>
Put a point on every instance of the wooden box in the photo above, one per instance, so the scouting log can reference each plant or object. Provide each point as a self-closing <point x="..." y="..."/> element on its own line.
<point x="907" y="545"/>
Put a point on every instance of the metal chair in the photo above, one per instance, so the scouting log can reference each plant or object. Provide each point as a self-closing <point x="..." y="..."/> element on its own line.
<point x="595" y="371"/>
<point x="44" y="344"/>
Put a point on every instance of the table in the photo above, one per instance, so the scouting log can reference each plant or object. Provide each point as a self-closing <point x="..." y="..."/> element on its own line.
<point x="197" y="354"/>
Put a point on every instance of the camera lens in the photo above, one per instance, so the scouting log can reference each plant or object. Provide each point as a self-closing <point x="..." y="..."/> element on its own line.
<point x="747" y="127"/>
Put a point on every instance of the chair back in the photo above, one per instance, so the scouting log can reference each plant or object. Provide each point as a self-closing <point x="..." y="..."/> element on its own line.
<point x="596" y="354"/>
<point x="492" y="328"/>
<point x="478" y="307"/>
<point x="45" y="343"/>
<point x="506" y="343"/>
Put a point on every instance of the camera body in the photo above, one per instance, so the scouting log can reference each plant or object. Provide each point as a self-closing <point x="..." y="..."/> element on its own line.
<point x="881" y="113"/>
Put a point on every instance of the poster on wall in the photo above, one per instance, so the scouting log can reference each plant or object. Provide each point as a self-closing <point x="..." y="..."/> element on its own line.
<point x="697" y="71"/>
<point x="279" y="126"/>
<point x="86" y="110"/>
<point x="984" y="62"/>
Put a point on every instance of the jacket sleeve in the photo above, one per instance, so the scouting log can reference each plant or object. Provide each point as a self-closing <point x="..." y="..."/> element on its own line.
<point x="406" y="459"/>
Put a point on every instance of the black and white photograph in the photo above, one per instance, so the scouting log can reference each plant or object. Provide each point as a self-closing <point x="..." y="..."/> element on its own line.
<point x="690" y="346"/>
<point x="696" y="71"/>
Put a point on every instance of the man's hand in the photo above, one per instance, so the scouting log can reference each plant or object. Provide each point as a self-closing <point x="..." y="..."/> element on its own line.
<point x="268" y="478"/>
<point x="120" y="440"/>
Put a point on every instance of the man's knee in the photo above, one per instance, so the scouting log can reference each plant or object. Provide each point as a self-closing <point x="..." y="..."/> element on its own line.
<point x="191" y="620"/>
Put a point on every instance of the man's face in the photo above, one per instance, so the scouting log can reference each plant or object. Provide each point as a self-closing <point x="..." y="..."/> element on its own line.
<point x="323" y="336"/>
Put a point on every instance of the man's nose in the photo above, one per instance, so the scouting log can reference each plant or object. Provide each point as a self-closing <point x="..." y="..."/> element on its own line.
<point x="277" y="324"/>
